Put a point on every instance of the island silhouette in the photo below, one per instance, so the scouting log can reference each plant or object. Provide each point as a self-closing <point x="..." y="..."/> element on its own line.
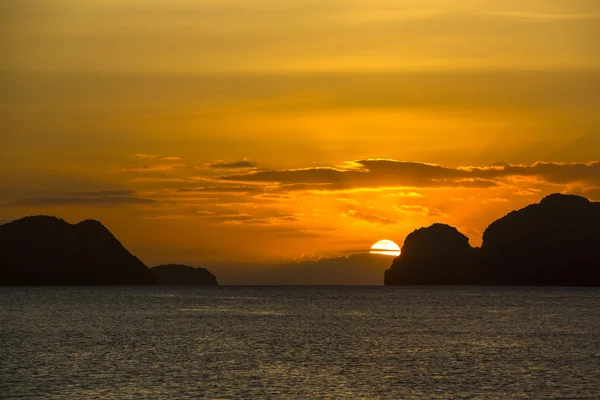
<point x="177" y="274"/>
<point x="555" y="242"/>
<point x="44" y="250"/>
<point x="552" y="243"/>
<point x="48" y="251"/>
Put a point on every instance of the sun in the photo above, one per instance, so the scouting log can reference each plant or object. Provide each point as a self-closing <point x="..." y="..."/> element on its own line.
<point x="386" y="247"/>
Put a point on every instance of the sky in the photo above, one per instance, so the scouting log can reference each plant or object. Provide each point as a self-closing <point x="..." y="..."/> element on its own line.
<point x="276" y="140"/>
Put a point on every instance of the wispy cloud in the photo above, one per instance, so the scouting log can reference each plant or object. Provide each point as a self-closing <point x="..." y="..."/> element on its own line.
<point x="158" y="180"/>
<point x="103" y="193"/>
<point x="374" y="173"/>
<point x="141" y="155"/>
<point x="232" y="164"/>
<point x="100" y="198"/>
<point x="371" y="218"/>
<point x="150" y="168"/>
<point x="541" y="17"/>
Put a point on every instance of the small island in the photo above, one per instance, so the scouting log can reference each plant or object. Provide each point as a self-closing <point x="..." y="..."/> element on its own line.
<point x="177" y="274"/>
<point x="553" y="243"/>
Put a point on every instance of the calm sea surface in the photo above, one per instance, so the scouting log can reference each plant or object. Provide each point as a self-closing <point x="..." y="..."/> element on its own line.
<point x="300" y="343"/>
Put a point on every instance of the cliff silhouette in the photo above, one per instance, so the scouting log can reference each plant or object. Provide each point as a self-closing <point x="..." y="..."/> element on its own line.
<point x="176" y="274"/>
<point x="553" y="243"/>
<point x="43" y="250"/>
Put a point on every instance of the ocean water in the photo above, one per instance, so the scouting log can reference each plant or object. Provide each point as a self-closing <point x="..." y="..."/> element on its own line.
<point x="300" y="343"/>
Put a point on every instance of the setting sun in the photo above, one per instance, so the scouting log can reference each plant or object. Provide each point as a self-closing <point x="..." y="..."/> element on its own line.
<point x="386" y="247"/>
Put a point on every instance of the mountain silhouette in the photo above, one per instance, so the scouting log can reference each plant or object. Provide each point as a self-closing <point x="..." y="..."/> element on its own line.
<point x="43" y="250"/>
<point x="176" y="274"/>
<point x="555" y="242"/>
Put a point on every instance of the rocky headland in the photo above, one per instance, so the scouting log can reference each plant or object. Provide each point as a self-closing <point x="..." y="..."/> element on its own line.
<point x="552" y="243"/>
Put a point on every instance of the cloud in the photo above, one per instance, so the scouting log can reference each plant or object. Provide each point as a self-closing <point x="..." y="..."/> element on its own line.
<point x="380" y="173"/>
<point x="436" y="213"/>
<point x="233" y="165"/>
<point x="204" y="213"/>
<point x="551" y="172"/>
<point x="103" y="193"/>
<point x="350" y="202"/>
<point x="367" y="174"/>
<point x="228" y="189"/>
<point x="140" y="155"/>
<point x="150" y="168"/>
<point x="101" y="198"/>
<point x="158" y="180"/>
<point x="305" y="186"/>
<point x="371" y="218"/>
<point x="172" y="158"/>
<point x="110" y="201"/>
<point x="273" y="196"/>
<point x="264" y="217"/>
<point x="247" y="220"/>
<point x="404" y="194"/>
<point x="527" y="192"/>
<point x="542" y="17"/>
<point x="412" y="209"/>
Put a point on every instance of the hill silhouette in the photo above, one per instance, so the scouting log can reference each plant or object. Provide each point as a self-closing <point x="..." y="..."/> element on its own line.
<point x="176" y="274"/>
<point x="437" y="255"/>
<point x="555" y="242"/>
<point x="43" y="250"/>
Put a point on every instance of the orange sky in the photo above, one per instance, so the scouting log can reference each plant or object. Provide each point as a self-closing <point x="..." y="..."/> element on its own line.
<point x="267" y="131"/>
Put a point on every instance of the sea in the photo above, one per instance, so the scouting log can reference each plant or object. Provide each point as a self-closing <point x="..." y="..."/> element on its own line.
<point x="299" y="343"/>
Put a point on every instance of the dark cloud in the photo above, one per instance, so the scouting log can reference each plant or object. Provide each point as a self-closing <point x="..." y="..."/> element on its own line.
<point x="306" y="186"/>
<point x="289" y="218"/>
<point x="103" y="193"/>
<point x="366" y="174"/>
<point x="551" y="172"/>
<point x="100" y="198"/>
<point x="233" y="165"/>
<point x="374" y="173"/>
<point x="273" y="196"/>
<point x="221" y="189"/>
<point x="92" y="201"/>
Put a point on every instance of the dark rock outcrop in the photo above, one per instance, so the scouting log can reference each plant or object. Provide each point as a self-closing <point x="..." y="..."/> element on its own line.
<point x="437" y="255"/>
<point x="555" y="242"/>
<point x="175" y="274"/>
<point x="44" y="250"/>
